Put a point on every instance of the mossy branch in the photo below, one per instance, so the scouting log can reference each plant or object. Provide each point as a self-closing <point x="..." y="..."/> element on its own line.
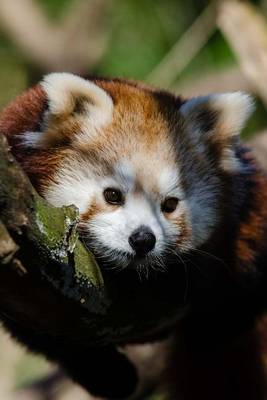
<point x="44" y="238"/>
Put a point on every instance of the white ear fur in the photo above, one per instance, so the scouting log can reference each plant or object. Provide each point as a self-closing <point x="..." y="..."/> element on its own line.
<point x="62" y="88"/>
<point x="218" y="118"/>
<point x="231" y="111"/>
<point x="66" y="93"/>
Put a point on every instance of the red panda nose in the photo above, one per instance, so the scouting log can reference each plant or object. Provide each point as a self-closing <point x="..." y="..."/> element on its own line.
<point x="142" y="240"/>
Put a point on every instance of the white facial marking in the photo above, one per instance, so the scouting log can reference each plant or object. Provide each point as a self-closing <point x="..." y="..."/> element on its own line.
<point x="169" y="182"/>
<point x="32" y="139"/>
<point x="76" y="185"/>
<point x="125" y="175"/>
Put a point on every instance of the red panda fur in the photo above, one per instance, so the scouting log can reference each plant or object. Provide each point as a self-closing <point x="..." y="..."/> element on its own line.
<point x="220" y="350"/>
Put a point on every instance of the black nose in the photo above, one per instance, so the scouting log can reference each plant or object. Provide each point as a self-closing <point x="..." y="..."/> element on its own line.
<point x="142" y="240"/>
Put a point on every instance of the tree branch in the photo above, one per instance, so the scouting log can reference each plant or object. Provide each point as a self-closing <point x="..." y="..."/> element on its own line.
<point x="49" y="231"/>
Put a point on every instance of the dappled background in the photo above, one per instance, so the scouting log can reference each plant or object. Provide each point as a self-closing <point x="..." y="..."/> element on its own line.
<point x="191" y="47"/>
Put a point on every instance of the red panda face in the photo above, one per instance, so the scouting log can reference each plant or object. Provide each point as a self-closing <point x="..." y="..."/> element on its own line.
<point x="143" y="167"/>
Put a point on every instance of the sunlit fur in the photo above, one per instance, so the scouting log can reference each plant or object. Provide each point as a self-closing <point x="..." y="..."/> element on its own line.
<point x="150" y="145"/>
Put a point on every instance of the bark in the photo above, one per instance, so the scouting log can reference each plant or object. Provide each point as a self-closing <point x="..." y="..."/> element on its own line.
<point x="48" y="233"/>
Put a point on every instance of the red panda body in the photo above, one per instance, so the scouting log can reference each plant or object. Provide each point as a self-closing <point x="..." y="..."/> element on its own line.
<point x="160" y="182"/>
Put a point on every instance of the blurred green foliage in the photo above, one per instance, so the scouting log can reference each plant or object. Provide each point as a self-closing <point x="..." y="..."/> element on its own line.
<point x="142" y="32"/>
<point x="55" y="8"/>
<point x="37" y="367"/>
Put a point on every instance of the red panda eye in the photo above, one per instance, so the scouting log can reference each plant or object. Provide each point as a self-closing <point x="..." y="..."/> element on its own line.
<point x="113" y="196"/>
<point x="169" y="205"/>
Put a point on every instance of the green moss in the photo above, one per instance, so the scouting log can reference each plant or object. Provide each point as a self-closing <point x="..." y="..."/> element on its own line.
<point x="86" y="267"/>
<point x="56" y="227"/>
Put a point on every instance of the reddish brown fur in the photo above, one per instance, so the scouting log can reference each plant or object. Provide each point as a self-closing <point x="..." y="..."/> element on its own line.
<point x="133" y="108"/>
<point x="184" y="230"/>
<point x="136" y="114"/>
<point x="95" y="209"/>
<point x="24" y="113"/>
<point x="136" y="118"/>
<point x="252" y="232"/>
<point x="139" y="109"/>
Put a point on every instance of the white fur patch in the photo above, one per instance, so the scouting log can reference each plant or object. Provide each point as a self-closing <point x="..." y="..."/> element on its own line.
<point x="169" y="182"/>
<point x="115" y="228"/>
<point x="62" y="90"/>
<point x="32" y="139"/>
<point x="233" y="110"/>
<point x="125" y="174"/>
<point x="229" y="161"/>
<point x="74" y="184"/>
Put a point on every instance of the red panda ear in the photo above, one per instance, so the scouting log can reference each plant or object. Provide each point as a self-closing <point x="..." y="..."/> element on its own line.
<point x="218" y="119"/>
<point x="76" y="109"/>
<point x="223" y="114"/>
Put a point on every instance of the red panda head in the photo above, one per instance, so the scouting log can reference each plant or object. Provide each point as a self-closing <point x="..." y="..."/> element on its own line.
<point x="144" y="168"/>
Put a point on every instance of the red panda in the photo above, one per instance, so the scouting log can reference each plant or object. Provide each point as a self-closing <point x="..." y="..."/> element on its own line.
<point x="158" y="181"/>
